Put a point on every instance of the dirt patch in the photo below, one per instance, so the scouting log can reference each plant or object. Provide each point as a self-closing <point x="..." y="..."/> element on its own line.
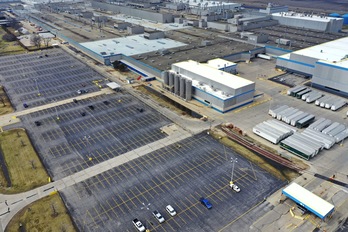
<point x="24" y="166"/>
<point x="46" y="214"/>
<point x="276" y="170"/>
<point x="5" y="104"/>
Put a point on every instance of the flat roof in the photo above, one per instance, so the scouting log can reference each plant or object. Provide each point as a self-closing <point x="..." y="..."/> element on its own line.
<point x="131" y="45"/>
<point x="213" y="74"/>
<point x="113" y="85"/>
<point x="148" y="23"/>
<point x="334" y="52"/>
<point x="219" y="63"/>
<point x="207" y="3"/>
<point x="302" y="16"/>
<point x="305" y="198"/>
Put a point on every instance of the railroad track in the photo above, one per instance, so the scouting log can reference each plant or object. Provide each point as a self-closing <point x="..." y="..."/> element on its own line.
<point x="251" y="146"/>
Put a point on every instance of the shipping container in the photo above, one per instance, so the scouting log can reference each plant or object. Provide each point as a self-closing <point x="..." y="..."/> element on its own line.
<point x="300" y="94"/>
<point x="320" y="100"/>
<point x="337" y="130"/>
<point x="338" y="105"/>
<point x="314" y="97"/>
<point x="320" y="137"/>
<point x="284" y="112"/>
<point x="296" y="119"/>
<point x="341" y="136"/>
<point x="294" y="90"/>
<point x="323" y="125"/>
<point x="273" y="112"/>
<point x="316" y="123"/>
<point x="329" y="128"/>
<point x="305" y="121"/>
<point x="289" y="118"/>
<point x="289" y="114"/>
<point x="329" y="103"/>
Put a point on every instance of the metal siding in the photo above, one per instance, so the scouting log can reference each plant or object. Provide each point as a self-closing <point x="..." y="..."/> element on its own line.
<point x="330" y="76"/>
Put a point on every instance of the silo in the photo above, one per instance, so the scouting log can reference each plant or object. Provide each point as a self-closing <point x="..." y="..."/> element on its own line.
<point x="182" y="87"/>
<point x="345" y="19"/>
<point x="188" y="87"/>
<point x="165" y="77"/>
<point x="177" y="83"/>
<point x="171" y="81"/>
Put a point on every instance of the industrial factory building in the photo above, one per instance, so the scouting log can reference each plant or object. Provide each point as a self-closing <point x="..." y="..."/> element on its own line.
<point x="309" y="21"/>
<point x="327" y="64"/>
<point x="220" y="90"/>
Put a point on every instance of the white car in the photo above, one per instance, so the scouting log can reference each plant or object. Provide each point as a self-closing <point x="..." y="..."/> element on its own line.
<point x="170" y="210"/>
<point x="158" y="216"/>
<point x="235" y="187"/>
<point x="140" y="227"/>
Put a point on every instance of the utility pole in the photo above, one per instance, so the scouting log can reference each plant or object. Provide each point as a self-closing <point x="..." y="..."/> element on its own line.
<point x="233" y="160"/>
<point x="147" y="207"/>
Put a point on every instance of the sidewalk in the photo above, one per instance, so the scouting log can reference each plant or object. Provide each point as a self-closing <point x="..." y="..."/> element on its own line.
<point x="12" y="118"/>
<point x="12" y="204"/>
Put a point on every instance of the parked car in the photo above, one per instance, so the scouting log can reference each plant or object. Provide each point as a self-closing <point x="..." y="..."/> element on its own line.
<point x="91" y="107"/>
<point x="83" y="114"/>
<point x="75" y="100"/>
<point x="206" y="203"/>
<point x="234" y="187"/>
<point x="170" y="210"/>
<point x="81" y="91"/>
<point x="25" y="105"/>
<point x="140" y="227"/>
<point x="158" y="216"/>
<point x="37" y="123"/>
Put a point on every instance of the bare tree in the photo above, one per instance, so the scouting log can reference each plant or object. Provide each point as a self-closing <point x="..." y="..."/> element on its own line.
<point x="46" y="41"/>
<point x="3" y="101"/>
<point x="36" y="39"/>
<point x="32" y="162"/>
<point x="54" y="210"/>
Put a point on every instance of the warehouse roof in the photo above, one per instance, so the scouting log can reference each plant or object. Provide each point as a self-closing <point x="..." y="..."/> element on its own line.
<point x="130" y="45"/>
<point x="219" y="63"/>
<point x="309" y="200"/>
<point x="334" y="52"/>
<point x="213" y="74"/>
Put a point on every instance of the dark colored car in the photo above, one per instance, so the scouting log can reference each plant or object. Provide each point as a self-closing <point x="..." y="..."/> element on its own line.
<point x="140" y="110"/>
<point x="91" y="107"/>
<point x="75" y="100"/>
<point x="25" y="105"/>
<point x="106" y="102"/>
<point x="37" y="123"/>
<point x="206" y="203"/>
<point x="83" y="114"/>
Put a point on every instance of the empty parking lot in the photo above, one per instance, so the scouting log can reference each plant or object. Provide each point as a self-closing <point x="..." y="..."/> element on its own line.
<point x="91" y="131"/>
<point x="43" y="77"/>
<point x="178" y="175"/>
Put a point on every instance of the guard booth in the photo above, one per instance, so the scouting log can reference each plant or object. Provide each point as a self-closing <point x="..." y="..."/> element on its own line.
<point x="309" y="200"/>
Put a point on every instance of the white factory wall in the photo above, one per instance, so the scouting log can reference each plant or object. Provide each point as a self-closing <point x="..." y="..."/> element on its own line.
<point x="331" y="76"/>
<point x="333" y="25"/>
<point x="222" y="105"/>
<point x="293" y="65"/>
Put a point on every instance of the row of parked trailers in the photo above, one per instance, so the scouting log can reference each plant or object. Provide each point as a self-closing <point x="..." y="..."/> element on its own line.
<point x="273" y="130"/>
<point x="320" y="134"/>
<point x="292" y="116"/>
<point x="329" y="102"/>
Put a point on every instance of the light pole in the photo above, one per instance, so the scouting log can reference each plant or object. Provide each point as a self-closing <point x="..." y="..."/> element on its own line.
<point x="56" y="109"/>
<point x="37" y="87"/>
<point x="147" y="207"/>
<point x="86" y="138"/>
<point x="233" y="160"/>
